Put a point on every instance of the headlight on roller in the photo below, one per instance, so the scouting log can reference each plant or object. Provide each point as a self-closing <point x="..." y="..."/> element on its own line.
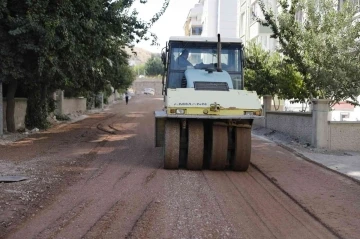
<point x="180" y="111"/>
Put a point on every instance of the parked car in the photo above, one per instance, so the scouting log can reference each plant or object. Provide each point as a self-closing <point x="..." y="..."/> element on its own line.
<point x="149" y="91"/>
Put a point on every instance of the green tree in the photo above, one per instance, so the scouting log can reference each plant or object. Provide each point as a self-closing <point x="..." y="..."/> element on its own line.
<point x="269" y="73"/>
<point x="324" y="47"/>
<point x="49" y="44"/>
<point x="154" y="66"/>
<point x="140" y="69"/>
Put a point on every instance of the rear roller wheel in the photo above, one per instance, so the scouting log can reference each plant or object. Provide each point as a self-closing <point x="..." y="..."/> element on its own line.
<point x="196" y="145"/>
<point x="219" y="147"/>
<point x="242" y="152"/>
<point x="172" y="144"/>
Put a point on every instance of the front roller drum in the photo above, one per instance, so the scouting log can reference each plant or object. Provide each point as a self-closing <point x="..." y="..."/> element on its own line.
<point x="195" y="146"/>
<point x="219" y="147"/>
<point x="172" y="144"/>
<point x="242" y="153"/>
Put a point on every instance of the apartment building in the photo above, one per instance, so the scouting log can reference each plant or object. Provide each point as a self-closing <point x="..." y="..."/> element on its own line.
<point x="235" y="18"/>
<point x="230" y="18"/>
<point x="193" y="24"/>
<point x="250" y="29"/>
<point x="216" y="16"/>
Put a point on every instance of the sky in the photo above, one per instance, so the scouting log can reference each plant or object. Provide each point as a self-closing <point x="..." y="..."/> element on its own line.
<point x="170" y="24"/>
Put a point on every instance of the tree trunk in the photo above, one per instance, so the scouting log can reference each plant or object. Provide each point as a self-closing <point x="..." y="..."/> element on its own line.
<point x="44" y="98"/>
<point x="276" y="108"/>
<point x="10" y="106"/>
<point x="36" y="111"/>
<point x="1" y="111"/>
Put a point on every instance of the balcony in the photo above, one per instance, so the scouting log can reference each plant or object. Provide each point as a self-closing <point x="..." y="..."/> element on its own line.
<point x="257" y="29"/>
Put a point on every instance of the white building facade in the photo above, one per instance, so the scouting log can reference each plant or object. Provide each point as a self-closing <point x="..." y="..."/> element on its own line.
<point x="218" y="16"/>
<point x="193" y="24"/>
<point x="249" y="29"/>
<point x="230" y="18"/>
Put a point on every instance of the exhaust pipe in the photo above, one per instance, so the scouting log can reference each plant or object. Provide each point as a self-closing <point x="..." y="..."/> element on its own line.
<point x="218" y="69"/>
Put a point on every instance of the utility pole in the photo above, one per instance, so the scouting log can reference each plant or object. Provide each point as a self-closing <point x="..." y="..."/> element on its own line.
<point x="1" y="112"/>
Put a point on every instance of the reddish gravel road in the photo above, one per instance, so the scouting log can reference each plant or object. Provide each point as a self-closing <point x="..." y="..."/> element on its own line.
<point x="103" y="178"/>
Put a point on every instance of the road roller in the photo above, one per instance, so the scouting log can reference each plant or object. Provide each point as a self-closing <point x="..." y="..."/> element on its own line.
<point x="207" y="116"/>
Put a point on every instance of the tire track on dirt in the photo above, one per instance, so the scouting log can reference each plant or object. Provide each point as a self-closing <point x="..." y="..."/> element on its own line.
<point x="148" y="178"/>
<point x="250" y="205"/>
<point x="102" y="167"/>
<point x="143" y="162"/>
<point x="58" y="145"/>
<point x="63" y="221"/>
<point x="152" y="175"/>
<point x="104" y="225"/>
<point x="217" y="202"/>
<point x="123" y="176"/>
<point x="95" y="191"/>
<point x="129" y="234"/>
<point x="277" y="200"/>
<point x="316" y="218"/>
<point x="104" y="221"/>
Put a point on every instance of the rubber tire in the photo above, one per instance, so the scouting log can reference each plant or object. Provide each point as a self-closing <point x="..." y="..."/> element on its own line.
<point x="172" y="144"/>
<point x="219" y="147"/>
<point x="195" y="157"/>
<point x="242" y="152"/>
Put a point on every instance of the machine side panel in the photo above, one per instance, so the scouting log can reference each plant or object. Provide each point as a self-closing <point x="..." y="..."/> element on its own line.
<point x="159" y="132"/>
<point x="189" y="97"/>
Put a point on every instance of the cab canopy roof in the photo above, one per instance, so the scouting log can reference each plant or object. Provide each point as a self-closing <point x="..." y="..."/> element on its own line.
<point x="204" y="39"/>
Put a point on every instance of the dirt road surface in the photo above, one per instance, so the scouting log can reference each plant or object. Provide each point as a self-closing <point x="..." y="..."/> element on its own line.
<point x="103" y="178"/>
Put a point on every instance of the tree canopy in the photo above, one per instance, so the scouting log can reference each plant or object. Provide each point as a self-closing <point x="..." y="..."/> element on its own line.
<point x="269" y="73"/>
<point x="323" y="44"/>
<point x="154" y="66"/>
<point x="139" y="69"/>
<point x="49" y="44"/>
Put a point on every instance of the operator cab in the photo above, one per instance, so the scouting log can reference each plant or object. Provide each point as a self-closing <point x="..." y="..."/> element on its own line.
<point x="194" y="60"/>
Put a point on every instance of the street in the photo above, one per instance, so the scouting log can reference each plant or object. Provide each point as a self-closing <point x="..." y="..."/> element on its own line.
<point x="102" y="178"/>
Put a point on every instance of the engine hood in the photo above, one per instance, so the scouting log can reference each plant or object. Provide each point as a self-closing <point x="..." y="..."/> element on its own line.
<point x="200" y="75"/>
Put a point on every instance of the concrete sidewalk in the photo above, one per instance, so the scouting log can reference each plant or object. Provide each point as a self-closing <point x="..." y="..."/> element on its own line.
<point x="343" y="162"/>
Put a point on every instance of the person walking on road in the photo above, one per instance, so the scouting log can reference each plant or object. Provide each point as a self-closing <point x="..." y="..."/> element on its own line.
<point x="127" y="97"/>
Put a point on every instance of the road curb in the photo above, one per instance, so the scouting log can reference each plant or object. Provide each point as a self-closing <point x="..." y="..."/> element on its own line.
<point x="314" y="162"/>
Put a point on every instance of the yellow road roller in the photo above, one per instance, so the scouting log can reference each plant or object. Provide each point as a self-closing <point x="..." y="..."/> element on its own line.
<point x="207" y="116"/>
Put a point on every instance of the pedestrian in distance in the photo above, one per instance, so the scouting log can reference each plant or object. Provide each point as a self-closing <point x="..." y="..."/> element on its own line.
<point x="127" y="97"/>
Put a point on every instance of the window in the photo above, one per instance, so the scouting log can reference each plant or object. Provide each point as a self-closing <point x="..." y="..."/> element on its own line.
<point x="203" y="56"/>
<point x="264" y="41"/>
<point x="253" y="13"/>
<point x="196" y="31"/>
